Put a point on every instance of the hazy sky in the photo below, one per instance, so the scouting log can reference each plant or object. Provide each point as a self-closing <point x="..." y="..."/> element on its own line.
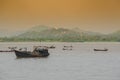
<point x="94" y="15"/>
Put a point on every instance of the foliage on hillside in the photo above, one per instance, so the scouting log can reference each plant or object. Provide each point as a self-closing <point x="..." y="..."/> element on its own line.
<point x="44" y="33"/>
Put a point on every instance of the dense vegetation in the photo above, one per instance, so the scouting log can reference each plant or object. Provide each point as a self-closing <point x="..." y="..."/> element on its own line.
<point x="47" y="34"/>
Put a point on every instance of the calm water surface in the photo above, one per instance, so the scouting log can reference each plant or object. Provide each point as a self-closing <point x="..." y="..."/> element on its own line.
<point x="81" y="63"/>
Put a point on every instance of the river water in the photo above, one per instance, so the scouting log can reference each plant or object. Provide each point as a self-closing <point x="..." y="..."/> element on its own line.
<point x="80" y="63"/>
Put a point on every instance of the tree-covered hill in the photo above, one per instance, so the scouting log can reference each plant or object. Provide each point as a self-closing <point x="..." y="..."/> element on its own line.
<point x="44" y="33"/>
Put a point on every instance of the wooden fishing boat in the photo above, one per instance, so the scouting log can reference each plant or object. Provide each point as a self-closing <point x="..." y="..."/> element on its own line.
<point x="100" y="49"/>
<point x="37" y="52"/>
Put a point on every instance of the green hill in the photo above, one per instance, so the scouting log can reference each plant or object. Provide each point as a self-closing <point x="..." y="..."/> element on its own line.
<point x="115" y="35"/>
<point x="44" y="33"/>
<point x="60" y="34"/>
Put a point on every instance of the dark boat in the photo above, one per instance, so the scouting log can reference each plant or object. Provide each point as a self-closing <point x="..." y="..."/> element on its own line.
<point x="100" y="49"/>
<point x="52" y="47"/>
<point x="37" y="52"/>
<point x="6" y="51"/>
<point x="67" y="47"/>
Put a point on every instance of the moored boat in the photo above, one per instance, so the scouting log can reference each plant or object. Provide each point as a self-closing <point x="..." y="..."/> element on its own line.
<point x="67" y="47"/>
<point x="6" y="51"/>
<point x="37" y="52"/>
<point x="52" y="47"/>
<point x="100" y="49"/>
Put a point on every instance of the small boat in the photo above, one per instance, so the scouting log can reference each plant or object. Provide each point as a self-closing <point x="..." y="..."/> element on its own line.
<point x="37" y="52"/>
<point x="100" y="49"/>
<point x="6" y="51"/>
<point x="67" y="47"/>
<point x="52" y="47"/>
<point x="49" y="47"/>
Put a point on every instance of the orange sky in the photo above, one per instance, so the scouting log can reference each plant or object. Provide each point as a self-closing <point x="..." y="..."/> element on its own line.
<point x="93" y="15"/>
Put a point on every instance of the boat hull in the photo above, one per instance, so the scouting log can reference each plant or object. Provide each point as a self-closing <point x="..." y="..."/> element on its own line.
<point x="6" y="51"/>
<point x="29" y="54"/>
<point x="100" y="49"/>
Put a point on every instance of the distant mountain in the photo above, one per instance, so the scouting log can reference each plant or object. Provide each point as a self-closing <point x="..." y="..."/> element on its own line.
<point x="49" y="33"/>
<point x="9" y="34"/>
<point x="115" y="35"/>
<point x="61" y="34"/>
<point x="45" y="33"/>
